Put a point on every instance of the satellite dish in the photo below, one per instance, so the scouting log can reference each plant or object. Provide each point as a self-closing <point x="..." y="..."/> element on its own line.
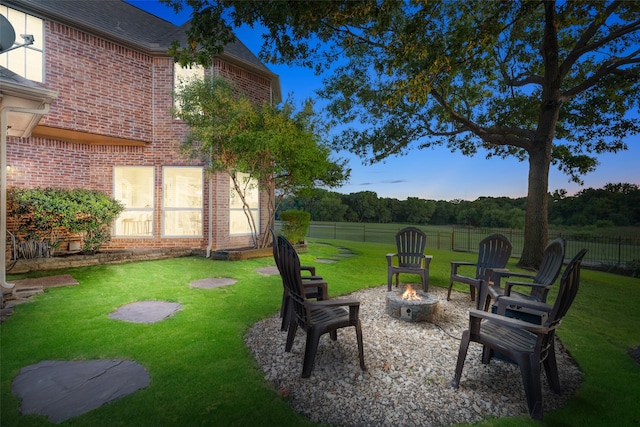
<point x="7" y="34"/>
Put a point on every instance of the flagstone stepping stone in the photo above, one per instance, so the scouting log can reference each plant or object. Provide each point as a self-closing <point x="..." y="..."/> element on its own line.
<point x="269" y="271"/>
<point x="145" y="311"/>
<point x="61" y="390"/>
<point x="213" y="282"/>
<point x="325" y="261"/>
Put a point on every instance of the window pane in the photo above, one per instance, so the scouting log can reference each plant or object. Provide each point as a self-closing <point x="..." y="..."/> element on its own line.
<point x="182" y="76"/>
<point x="34" y="27"/>
<point x="182" y="223"/>
<point x="238" y="221"/>
<point x="33" y="60"/>
<point x="132" y="223"/>
<point x="182" y="187"/>
<point x="182" y="201"/>
<point x="133" y="186"/>
<point x="27" y="61"/>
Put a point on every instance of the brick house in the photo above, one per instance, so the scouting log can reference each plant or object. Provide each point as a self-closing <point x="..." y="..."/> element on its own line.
<point x="111" y="128"/>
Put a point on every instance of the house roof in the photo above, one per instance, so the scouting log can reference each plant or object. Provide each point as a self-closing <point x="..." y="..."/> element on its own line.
<point x="118" y="20"/>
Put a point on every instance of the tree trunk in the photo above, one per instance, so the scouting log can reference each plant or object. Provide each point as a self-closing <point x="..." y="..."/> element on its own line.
<point x="536" y="225"/>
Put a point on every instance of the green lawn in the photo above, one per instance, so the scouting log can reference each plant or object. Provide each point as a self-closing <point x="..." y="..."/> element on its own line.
<point x="202" y="373"/>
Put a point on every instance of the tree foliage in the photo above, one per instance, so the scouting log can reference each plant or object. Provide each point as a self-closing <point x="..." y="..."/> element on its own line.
<point x="612" y="205"/>
<point x="548" y="82"/>
<point x="279" y="147"/>
<point x="50" y="214"/>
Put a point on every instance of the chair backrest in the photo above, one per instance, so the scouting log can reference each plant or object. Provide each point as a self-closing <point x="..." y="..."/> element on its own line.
<point x="290" y="272"/>
<point x="567" y="290"/>
<point x="494" y="252"/>
<point x="410" y="243"/>
<point x="550" y="268"/>
<point x="276" y="254"/>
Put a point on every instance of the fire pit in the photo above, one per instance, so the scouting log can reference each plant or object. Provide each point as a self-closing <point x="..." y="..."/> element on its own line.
<point x="411" y="306"/>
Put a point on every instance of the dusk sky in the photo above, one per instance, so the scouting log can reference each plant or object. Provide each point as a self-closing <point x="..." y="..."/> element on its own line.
<point x="433" y="174"/>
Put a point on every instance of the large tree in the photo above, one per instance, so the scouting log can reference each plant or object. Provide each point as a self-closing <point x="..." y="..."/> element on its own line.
<point x="552" y="83"/>
<point x="278" y="148"/>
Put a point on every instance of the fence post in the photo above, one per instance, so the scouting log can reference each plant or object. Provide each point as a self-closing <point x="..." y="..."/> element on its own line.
<point x="453" y="236"/>
<point x="619" y="250"/>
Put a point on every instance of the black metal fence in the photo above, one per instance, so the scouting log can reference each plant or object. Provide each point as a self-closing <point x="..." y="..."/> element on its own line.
<point x="603" y="250"/>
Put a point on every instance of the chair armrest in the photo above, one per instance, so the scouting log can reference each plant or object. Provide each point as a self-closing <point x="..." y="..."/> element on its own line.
<point x="508" y="285"/>
<point x="496" y="274"/>
<point x="321" y="285"/>
<point x="504" y="302"/>
<point x="456" y="264"/>
<point x="390" y="259"/>
<point x="335" y="302"/>
<point x="310" y="268"/>
<point x="476" y="315"/>
<point x="427" y="260"/>
<point x="354" y="306"/>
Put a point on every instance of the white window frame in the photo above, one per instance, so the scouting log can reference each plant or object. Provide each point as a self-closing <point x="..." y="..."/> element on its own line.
<point x="170" y="207"/>
<point x="134" y="221"/>
<point x="26" y="61"/>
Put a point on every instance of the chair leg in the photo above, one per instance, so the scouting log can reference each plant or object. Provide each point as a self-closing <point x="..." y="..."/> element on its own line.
<point x="360" y="346"/>
<point x="313" y="337"/>
<point x="551" y="370"/>
<point x="397" y="279"/>
<point x="530" y="369"/>
<point x="462" y="355"/>
<point x="291" y="335"/>
<point x="425" y="280"/>
<point x="285" y="313"/>
<point x="487" y="355"/>
<point x="473" y="292"/>
<point x="449" y="292"/>
<point x="389" y="279"/>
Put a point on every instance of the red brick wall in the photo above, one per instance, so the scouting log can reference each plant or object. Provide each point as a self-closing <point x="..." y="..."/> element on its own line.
<point x="102" y="87"/>
<point x="107" y="89"/>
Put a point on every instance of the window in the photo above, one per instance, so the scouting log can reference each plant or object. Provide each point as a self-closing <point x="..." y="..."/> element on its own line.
<point x="133" y="186"/>
<point x="27" y="61"/>
<point x="238" y="222"/>
<point x="182" y="76"/>
<point x="182" y="201"/>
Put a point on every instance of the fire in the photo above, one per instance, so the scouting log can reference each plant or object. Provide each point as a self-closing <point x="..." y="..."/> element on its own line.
<point x="410" y="294"/>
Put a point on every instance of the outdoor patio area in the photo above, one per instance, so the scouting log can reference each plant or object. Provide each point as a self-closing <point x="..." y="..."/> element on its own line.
<point x="410" y="368"/>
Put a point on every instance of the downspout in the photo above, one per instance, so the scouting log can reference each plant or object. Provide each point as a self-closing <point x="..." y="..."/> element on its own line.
<point x="210" y="213"/>
<point x="210" y="205"/>
<point x="3" y="185"/>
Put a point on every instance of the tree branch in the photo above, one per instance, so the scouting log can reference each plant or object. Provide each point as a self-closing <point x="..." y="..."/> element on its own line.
<point x="609" y="67"/>
<point x="583" y="46"/>
<point x="499" y="135"/>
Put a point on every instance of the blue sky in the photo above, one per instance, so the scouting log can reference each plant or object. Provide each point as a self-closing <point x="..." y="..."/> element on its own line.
<point x="437" y="173"/>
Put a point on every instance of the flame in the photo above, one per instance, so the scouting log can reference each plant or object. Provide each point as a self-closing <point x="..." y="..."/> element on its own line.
<point x="410" y="294"/>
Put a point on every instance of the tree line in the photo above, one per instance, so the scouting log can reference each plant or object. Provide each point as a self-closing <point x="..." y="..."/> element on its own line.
<point x="612" y="205"/>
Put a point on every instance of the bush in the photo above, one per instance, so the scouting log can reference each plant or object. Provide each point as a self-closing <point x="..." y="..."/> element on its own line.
<point x="50" y="214"/>
<point x="295" y="225"/>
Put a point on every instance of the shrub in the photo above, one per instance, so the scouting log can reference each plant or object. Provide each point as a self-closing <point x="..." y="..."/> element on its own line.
<point x="295" y="225"/>
<point x="49" y="214"/>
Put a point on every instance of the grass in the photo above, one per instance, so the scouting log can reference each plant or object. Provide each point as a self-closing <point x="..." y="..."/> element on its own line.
<point x="203" y="374"/>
